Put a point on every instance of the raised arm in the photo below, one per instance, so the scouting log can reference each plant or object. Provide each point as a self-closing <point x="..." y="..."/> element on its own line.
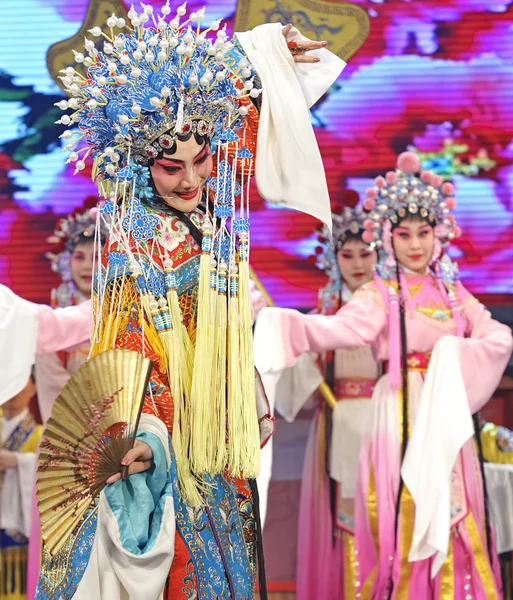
<point x="289" y="169"/>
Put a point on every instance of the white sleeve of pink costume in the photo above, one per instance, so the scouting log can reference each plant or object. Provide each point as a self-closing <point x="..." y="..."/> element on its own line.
<point x="16" y="496"/>
<point x="62" y="328"/>
<point x="484" y="354"/>
<point x="358" y="323"/>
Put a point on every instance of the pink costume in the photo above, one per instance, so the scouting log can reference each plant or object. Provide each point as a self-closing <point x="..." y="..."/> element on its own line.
<point x="27" y="329"/>
<point x="325" y="553"/>
<point x="325" y="550"/>
<point x="484" y="355"/>
<point x="420" y="520"/>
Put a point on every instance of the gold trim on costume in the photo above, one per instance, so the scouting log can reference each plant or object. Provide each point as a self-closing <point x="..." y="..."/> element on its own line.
<point x="481" y="558"/>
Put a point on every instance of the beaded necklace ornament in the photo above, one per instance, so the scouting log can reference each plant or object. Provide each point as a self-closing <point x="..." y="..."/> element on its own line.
<point x="153" y="83"/>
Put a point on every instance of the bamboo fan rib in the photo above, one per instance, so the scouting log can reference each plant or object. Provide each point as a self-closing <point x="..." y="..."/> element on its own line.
<point x="93" y="424"/>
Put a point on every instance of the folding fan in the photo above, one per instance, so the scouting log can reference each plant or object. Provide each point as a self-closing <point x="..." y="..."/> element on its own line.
<point x="93" y="424"/>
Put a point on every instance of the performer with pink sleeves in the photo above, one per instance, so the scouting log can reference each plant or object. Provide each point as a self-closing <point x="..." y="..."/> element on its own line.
<point x="421" y="523"/>
<point x="27" y="329"/>
<point x="326" y="562"/>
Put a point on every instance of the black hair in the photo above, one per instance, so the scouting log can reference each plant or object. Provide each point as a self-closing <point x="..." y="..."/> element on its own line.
<point x="405" y="398"/>
<point x="349" y="237"/>
<point x="414" y="218"/>
<point x="81" y="238"/>
<point x="181" y="137"/>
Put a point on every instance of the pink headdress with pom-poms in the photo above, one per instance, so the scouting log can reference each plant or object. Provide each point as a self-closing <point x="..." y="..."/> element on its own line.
<point x="407" y="191"/>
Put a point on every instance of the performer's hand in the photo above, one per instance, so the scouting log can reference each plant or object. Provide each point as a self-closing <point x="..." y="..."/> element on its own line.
<point x="139" y="459"/>
<point x="300" y="48"/>
<point x="8" y="460"/>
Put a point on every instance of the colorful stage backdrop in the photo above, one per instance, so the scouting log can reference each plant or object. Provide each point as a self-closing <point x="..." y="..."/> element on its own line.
<point x="436" y="75"/>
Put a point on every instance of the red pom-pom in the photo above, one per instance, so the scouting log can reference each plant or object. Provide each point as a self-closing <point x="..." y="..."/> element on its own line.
<point x="436" y="181"/>
<point x="368" y="224"/>
<point x="372" y="193"/>
<point x="408" y="162"/>
<point x="451" y="203"/>
<point x="380" y="182"/>
<point x="318" y="250"/>
<point x="447" y="188"/>
<point x="367" y="237"/>
<point x="350" y="198"/>
<point x="426" y="177"/>
<point x="391" y="177"/>
<point x="369" y="204"/>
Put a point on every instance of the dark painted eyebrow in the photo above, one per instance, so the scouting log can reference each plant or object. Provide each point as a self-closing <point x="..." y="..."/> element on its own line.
<point x="204" y="149"/>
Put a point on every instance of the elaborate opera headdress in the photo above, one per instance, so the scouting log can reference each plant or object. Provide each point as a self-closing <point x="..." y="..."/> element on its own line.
<point x="406" y="192"/>
<point x="348" y="221"/>
<point x="150" y="85"/>
<point x="80" y="225"/>
<point x="402" y="193"/>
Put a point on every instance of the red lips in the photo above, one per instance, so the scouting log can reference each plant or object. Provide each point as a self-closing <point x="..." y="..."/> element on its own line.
<point x="188" y="195"/>
<point x="416" y="257"/>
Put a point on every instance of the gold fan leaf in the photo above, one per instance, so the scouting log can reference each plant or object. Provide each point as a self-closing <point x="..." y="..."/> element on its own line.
<point x="93" y="425"/>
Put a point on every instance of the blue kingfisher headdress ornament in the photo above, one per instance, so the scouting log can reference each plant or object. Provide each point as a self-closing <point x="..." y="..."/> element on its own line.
<point x="152" y="82"/>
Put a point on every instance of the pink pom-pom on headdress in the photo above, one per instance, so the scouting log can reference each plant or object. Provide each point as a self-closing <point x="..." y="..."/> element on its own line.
<point x="447" y="188"/>
<point x="436" y="181"/>
<point x="367" y="237"/>
<point x="426" y="177"/>
<point x="391" y="177"/>
<point x="93" y="212"/>
<point x="451" y="203"/>
<point x="380" y="182"/>
<point x="369" y="204"/>
<point x="457" y="231"/>
<point x="408" y="162"/>
<point x="368" y="224"/>
<point x="372" y="193"/>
